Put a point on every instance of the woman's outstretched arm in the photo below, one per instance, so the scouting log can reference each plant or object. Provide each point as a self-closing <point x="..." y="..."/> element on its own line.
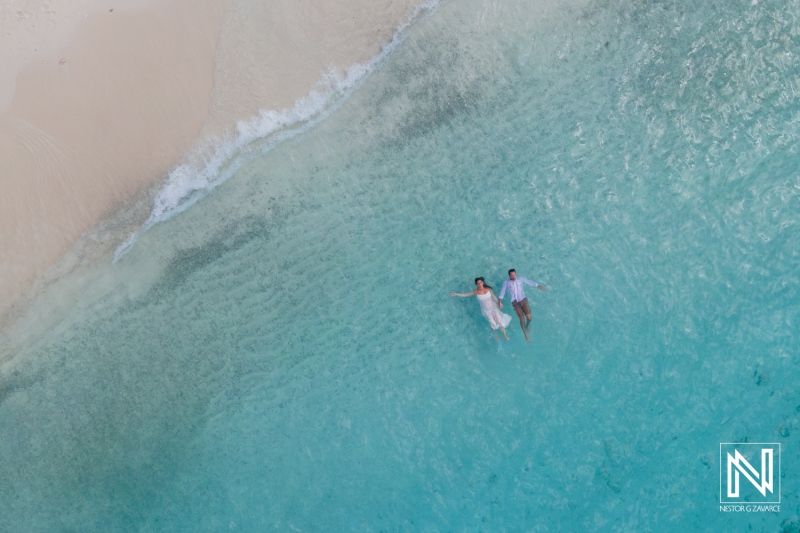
<point x="462" y="295"/>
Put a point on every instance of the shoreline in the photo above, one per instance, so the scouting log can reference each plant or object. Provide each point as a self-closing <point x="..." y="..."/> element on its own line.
<point x="88" y="140"/>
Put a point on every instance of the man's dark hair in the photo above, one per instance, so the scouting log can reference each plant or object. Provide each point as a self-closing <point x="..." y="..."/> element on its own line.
<point x="510" y="271"/>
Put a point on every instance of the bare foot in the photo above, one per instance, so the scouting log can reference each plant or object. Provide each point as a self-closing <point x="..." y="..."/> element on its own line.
<point x="528" y="339"/>
<point x="506" y="336"/>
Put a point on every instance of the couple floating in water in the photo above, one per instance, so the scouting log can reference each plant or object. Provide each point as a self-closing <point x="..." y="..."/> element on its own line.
<point x="491" y="304"/>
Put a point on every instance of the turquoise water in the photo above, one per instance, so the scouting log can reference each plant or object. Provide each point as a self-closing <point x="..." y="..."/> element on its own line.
<point x="285" y="355"/>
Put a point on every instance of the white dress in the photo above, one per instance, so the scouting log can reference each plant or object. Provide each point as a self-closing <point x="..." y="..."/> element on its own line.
<point x="493" y="314"/>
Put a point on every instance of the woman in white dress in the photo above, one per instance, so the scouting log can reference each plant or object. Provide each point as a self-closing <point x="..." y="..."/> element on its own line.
<point x="490" y="307"/>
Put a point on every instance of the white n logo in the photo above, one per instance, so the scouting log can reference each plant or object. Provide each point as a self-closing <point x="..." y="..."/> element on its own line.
<point x="738" y="464"/>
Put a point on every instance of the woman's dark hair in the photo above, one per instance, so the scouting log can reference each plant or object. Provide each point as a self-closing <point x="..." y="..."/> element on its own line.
<point x="484" y="282"/>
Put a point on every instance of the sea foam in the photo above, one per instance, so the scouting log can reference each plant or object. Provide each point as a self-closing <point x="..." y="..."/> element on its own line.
<point x="206" y="168"/>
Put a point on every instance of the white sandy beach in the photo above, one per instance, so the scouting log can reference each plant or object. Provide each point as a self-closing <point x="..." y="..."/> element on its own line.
<point x="99" y="100"/>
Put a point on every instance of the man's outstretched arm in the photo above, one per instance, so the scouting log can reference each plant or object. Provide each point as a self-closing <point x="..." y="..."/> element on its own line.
<point x="531" y="283"/>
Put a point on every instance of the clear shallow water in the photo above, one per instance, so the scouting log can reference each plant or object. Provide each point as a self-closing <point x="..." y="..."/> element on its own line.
<point x="285" y="355"/>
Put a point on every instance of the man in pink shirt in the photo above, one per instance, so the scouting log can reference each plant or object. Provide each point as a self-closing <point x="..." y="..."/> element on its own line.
<point x="518" y="299"/>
